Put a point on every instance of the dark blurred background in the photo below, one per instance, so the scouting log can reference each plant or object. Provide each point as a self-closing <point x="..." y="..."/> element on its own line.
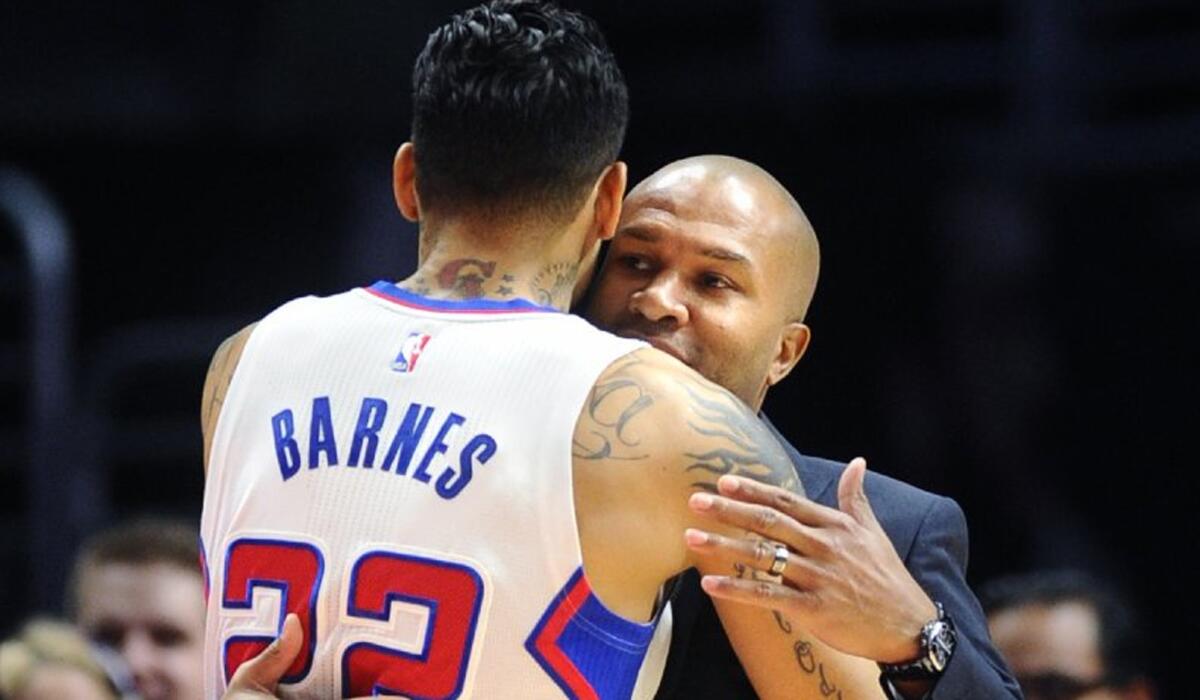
<point x="1007" y="195"/>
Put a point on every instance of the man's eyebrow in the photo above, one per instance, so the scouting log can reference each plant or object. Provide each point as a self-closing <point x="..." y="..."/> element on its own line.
<point x="641" y="234"/>
<point x="726" y="255"/>
<point x="647" y="235"/>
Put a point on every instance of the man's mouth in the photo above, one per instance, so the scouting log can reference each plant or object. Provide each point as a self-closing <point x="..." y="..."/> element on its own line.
<point x="659" y="343"/>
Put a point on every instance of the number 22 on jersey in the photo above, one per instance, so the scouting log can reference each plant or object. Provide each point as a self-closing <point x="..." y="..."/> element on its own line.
<point x="410" y="617"/>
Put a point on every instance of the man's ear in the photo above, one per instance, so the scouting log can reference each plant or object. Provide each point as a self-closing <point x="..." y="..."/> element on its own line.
<point x="610" y="193"/>
<point x="404" y="182"/>
<point x="793" y="341"/>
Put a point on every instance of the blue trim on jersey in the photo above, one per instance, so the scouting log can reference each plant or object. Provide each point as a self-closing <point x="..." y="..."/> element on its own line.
<point x="606" y="649"/>
<point x="408" y="298"/>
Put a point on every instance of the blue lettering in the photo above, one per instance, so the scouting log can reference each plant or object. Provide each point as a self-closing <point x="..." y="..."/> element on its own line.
<point x="370" y="420"/>
<point x="447" y="486"/>
<point x="407" y="436"/>
<point x="320" y="437"/>
<point x="438" y="447"/>
<point x="286" y="449"/>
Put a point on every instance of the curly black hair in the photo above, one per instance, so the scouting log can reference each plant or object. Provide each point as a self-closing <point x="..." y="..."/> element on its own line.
<point x="516" y="105"/>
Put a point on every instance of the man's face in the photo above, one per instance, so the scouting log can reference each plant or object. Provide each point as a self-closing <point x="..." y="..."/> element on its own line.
<point x="699" y="280"/>
<point x="1053" y="650"/>
<point x="153" y="614"/>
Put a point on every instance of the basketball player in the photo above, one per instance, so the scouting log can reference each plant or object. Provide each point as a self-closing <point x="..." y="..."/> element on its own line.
<point x="423" y="472"/>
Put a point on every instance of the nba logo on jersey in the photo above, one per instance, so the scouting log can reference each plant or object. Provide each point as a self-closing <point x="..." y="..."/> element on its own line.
<point x="410" y="352"/>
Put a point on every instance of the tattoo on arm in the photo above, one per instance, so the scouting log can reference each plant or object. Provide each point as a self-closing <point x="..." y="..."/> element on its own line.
<point x="806" y="658"/>
<point x="784" y="625"/>
<point x="737" y="442"/>
<point x="610" y="407"/>
<point x="809" y="664"/>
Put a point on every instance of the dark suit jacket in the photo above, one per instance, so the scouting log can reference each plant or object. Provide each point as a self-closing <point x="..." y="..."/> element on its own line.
<point x="928" y="531"/>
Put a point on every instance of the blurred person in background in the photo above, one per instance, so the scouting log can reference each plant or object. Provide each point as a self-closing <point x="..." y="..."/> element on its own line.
<point x="50" y="660"/>
<point x="139" y="589"/>
<point x="1067" y="636"/>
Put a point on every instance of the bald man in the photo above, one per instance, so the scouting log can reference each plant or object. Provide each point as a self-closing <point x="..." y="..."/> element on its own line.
<point x="715" y="263"/>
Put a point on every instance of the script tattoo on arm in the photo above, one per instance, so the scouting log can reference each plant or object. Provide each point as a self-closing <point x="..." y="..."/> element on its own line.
<point x="611" y="406"/>
<point x="806" y="657"/>
<point x="736" y="442"/>
<point x="809" y="664"/>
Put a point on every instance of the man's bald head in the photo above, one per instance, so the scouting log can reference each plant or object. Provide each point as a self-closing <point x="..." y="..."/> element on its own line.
<point x="715" y="263"/>
<point x="735" y="189"/>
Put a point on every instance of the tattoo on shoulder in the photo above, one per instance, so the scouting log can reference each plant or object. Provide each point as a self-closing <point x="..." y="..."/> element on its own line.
<point x="736" y="440"/>
<point x="611" y="406"/>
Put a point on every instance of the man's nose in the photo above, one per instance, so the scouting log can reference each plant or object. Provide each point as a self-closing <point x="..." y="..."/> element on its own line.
<point x="661" y="300"/>
<point x="139" y="652"/>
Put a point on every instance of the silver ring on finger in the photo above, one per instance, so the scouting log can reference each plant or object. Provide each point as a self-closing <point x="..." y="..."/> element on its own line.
<point x="781" y="560"/>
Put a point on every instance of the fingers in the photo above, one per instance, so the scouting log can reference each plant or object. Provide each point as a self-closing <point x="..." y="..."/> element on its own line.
<point x="762" y="520"/>
<point x="764" y="594"/>
<point x="262" y="673"/>
<point x="802" y="509"/>
<point x="755" y="553"/>
<point x="852" y="497"/>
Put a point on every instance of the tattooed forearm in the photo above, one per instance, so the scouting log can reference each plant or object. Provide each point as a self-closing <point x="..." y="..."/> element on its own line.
<point x="806" y="658"/>
<point x="737" y="443"/>
<point x="612" y="405"/>
<point x="809" y="664"/>
<point x="784" y="625"/>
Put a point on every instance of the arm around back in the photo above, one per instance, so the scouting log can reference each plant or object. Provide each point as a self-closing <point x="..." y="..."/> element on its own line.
<point x="653" y="433"/>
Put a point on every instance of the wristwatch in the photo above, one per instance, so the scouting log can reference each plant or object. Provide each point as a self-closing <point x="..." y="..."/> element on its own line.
<point x="938" y="639"/>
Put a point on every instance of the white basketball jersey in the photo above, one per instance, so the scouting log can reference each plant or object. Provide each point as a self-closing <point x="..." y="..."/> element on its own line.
<point x="397" y="471"/>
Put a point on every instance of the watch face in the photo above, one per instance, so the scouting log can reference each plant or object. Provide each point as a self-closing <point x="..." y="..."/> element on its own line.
<point x="941" y="645"/>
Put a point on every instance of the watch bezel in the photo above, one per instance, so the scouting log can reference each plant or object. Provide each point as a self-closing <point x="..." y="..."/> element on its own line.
<point x="937" y="642"/>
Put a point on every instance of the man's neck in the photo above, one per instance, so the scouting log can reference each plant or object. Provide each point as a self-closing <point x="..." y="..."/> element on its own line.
<point x="481" y="258"/>
<point x="483" y="276"/>
<point x="478" y="274"/>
